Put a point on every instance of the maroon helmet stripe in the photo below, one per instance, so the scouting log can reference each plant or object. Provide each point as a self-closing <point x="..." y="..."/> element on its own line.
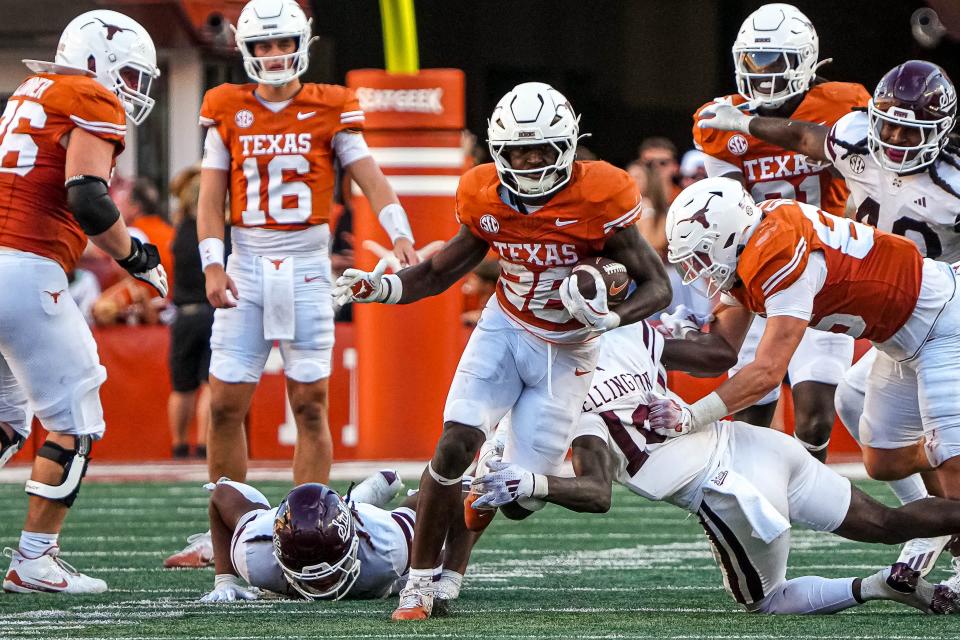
<point x="754" y="584"/>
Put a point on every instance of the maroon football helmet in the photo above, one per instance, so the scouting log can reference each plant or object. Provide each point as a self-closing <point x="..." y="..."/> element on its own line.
<point x="316" y="543"/>
<point x="915" y="95"/>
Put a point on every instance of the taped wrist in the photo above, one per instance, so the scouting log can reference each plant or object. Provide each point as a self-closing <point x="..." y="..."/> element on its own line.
<point x="707" y="410"/>
<point x="90" y="203"/>
<point x="391" y="288"/>
<point x="540" y="486"/>
<point x="142" y="258"/>
<point x="225" y="580"/>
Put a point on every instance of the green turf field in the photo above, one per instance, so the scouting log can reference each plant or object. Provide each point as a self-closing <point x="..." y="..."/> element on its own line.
<point x="642" y="571"/>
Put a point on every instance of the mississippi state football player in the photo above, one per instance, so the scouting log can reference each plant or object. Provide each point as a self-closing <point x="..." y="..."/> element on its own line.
<point x="748" y="486"/>
<point x="319" y="546"/>
<point x="776" y="61"/>
<point x="532" y="352"/>
<point x="904" y="177"/>
<point x="59" y="136"/>
<point x="272" y="146"/>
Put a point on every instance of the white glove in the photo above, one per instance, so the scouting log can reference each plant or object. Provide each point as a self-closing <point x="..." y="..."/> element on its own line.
<point x="228" y="588"/>
<point x="668" y="418"/>
<point x="726" y="117"/>
<point x="156" y="278"/>
<point x="682" y="322"/>
<point x="362" y="286"/>
<point x="591" y="313"/>
<point x="506" y="483"/>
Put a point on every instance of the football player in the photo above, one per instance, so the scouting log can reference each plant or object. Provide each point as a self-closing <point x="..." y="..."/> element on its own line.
<point x="748" y="486"/>
<point x="904" y="177"/>
<point x="775" y="59"/>
<point x="532" y="352"/>
<point x="319" y="546"/>
<point x="272" y="146"/>
<point x="60" y="134"/>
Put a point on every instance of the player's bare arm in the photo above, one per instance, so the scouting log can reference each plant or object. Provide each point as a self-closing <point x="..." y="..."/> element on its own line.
<point x="807" y="138"/>
<point x="588" y="491"/>
<point x="210" y="226"/>
<point x="644" y="266"/>
<point x="713" y="353"/>
<point x="227" y="505"/>
<point x="368" y="176"/>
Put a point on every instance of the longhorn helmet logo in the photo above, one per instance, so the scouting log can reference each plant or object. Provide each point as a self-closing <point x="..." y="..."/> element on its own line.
<point x="701" y="214"/>
<point x="112" y="29"/>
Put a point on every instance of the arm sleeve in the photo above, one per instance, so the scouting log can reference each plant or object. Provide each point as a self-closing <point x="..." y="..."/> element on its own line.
<point x="350" y="147"/>
<point x="797" y="299"/>
<point x="215" y="152"/>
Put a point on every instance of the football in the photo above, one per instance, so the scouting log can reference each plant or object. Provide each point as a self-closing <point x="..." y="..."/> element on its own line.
<point x="613" y="274"/>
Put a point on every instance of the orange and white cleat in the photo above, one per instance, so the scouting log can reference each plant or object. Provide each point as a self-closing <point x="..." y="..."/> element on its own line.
<point x="197" y="554"/>
<point x="416" y="603"/>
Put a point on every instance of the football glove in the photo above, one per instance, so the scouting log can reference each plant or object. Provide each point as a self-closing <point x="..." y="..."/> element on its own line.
<point x="506" y="483"/>
<point x="726" y="117"/>
<point x="593" y="314"/>
<point x="356" y="285"/>
<point x="228" y="588"/>
<point x="682" y="322"/>
<point x="669" y="418"/>
<point x="143" y="263"/>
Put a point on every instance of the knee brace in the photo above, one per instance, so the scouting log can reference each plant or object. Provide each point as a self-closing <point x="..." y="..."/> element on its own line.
<point x="74" y="463"/>
<point x="9" y="445"/>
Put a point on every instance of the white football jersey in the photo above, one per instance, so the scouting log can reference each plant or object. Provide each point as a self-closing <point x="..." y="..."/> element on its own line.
<point x="911" y="206"/>
<point x="384" y="552"/>
<point x="627" y="378"/>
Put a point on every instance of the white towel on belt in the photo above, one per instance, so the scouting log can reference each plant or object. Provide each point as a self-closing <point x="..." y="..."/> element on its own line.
<point x="278" y="305"/>
<point x="767" y="523"/>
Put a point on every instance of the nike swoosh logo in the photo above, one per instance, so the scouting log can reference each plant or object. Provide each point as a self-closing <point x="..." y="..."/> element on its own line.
<point x="616" y="289"/>
<point x="564" y="223"/>
<point x="43" y="585"/>
<point x="304" y="116"/>
<point x="578" y="372"/>
<point x="311" y="279"/>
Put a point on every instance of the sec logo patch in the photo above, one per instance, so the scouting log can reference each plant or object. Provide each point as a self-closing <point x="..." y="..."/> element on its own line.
<point x="737" y="145"/>
<point x="857" y="165"/>
<point x="489" y="224"/>
<point x="244" y="118"/>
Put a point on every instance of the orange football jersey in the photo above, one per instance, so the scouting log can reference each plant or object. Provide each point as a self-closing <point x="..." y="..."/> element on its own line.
<point x="772" y="172"/>
<point x="281" y="164"/>
<point x="539" y="249"/>
<point x="34" y="215"/>
<point x="873" y="277"/>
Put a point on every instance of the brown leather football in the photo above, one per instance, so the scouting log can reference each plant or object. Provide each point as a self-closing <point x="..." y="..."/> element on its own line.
<point x="613" y="274"/>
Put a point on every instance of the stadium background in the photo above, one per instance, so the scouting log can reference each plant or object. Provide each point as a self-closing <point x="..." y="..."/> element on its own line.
<point x="632" y="68"/>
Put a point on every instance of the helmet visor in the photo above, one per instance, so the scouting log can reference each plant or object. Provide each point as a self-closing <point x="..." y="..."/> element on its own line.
<point x="764" y="74"/>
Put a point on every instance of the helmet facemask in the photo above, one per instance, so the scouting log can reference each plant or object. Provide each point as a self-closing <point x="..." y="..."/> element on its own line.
<point x="904" y="159"/>
<point x="770" y="77"/>
<point x="324" y="581"/>
<point x="132" y="83"/>
<point x="539" y="181"/>
<point x="293" y="65"/>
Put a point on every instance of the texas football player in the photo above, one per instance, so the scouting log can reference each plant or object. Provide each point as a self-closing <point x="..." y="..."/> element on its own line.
<point x="60" y="134"/>
<point x="749" y="486"/>
<point x="317" y="545"/>
<point x="532" y="352"/>
<point x="272" y="146"/>
<point x="904" y="177"/>
<point x="776" y="60"/>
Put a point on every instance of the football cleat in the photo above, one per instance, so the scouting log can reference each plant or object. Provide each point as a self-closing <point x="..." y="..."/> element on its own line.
<point x="416" y="603"/>
<point x="197" y="554"/>
<point x="953" y="582"/>
<point x="905" y="585"/>
<point x="47" y="574"/>
<point x="921" y="554"/>
<point x="378" y="489"/>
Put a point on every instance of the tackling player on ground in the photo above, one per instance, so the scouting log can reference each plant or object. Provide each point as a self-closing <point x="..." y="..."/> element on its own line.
<point x="60" y="134"/>
<point x="748" y="486"/>
<point x="532" y="352"/>
<point x="775" y="58"/>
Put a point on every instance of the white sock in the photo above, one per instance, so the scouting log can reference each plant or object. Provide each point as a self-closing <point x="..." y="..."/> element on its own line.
<point x="451" y="582"/>
<point x="810" y="594"/>
<point x="420" y="577"/>
<point x="909" y="489"/>
<point x="33" y="545"/>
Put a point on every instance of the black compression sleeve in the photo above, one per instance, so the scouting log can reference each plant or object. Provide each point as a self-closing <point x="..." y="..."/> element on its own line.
<point x="91" y="205"/>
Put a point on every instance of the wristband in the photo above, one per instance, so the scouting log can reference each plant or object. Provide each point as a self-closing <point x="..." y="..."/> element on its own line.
<point x="391" y="288"/>
<point x="540" y="486"/>
<point x="394" y="221"/>
<point x="211" y="252"/>
<point x="223" y="579"/>
<point x="707" y="410"/>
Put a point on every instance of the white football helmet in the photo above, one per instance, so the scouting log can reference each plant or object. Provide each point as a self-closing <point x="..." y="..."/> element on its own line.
<point x="113" y="48"/>
<point x="533" y="113"/>
<point x="775" y="55"/>
<point x="271" y="20"/>
<point x="707" y="227"/>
